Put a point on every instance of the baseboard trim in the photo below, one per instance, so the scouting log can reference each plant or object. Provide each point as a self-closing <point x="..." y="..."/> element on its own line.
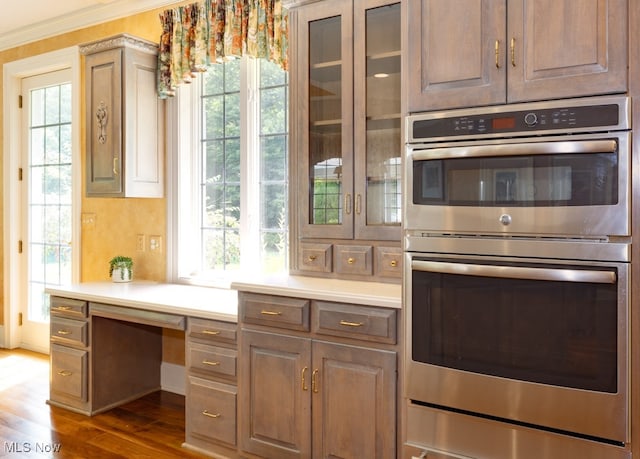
<point x="173" y="378"/>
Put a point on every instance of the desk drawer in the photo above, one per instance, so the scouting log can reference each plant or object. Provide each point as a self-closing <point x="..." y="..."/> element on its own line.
<point x="69" y="331"/>
<point x="211" y="411"/>
<point x="66" y="307"/>
<point x="216" y="361"/>
<point x="212" y="331"/>
<point x="69" y="372"/>
<point x="359" y="322"/>
<point x="275" y="311"/>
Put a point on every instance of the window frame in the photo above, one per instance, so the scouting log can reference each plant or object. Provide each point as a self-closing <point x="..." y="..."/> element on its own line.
<point x="183" y="116"/>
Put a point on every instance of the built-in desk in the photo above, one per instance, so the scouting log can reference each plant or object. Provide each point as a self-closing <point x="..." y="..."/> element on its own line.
<point x="106" y="338"/>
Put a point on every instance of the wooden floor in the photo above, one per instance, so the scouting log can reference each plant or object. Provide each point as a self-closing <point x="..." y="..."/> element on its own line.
<point x="151" y="427"/>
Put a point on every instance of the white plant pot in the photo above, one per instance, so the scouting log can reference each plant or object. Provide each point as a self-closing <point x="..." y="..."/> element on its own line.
<point x="120" y="275"/>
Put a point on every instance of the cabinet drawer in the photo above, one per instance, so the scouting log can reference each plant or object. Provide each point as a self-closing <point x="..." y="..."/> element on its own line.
<point x="354" y="259"/>
<point x="69" y="331"/>
<point x="69" y="372"/>
<point x="350" y="321"/>
<point x="211" y="411"/>
<point x="68" y="308"/>
<point x="212" y="331"/>
<point x="275" y="311"/>
<point x="388" y="262"/>
<point x="315" y="257"/>
<point x="217" y="361"/>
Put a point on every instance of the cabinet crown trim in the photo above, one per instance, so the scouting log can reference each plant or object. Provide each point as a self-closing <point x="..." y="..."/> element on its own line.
<point x="119" y="41"/>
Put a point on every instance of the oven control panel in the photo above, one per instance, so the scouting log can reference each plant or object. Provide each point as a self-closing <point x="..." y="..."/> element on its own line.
<point x="509" y="120"/>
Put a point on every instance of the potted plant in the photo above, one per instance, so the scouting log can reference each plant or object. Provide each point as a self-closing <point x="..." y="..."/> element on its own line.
<point x="120" y="269"/>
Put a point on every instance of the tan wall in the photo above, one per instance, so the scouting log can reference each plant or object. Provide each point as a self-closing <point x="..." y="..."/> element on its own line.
<point x="117" y="221"/>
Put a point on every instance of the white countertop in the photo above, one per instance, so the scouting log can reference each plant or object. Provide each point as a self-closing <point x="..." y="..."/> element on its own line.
<point x="188" y="300"/>
<point x="222" y="304"/>
<point x="315" y="288"/>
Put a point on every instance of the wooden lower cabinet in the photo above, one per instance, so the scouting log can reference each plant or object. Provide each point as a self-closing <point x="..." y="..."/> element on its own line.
<point x="305" y="397"/>
<point x="211" y="395"/>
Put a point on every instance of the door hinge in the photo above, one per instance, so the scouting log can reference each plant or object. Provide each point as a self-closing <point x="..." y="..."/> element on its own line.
<point x="20" y="246"/>
<point x="19" y="319"/>
<point x="20" y="101"/>
<point x="20" y="174"/>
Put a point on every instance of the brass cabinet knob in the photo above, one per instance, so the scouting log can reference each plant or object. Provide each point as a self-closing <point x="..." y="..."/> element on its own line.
<point x="351" y="260"/>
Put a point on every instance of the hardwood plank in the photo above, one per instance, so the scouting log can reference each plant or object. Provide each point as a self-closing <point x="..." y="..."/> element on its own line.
<point x="150" y="427"/>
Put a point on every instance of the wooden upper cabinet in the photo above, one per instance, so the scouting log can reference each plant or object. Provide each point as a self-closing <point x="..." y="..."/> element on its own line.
<point x="466" y="53"/>
<point x="567" y="48"/>
<point x="449" y="56"/>
<point x="124" y="119"/>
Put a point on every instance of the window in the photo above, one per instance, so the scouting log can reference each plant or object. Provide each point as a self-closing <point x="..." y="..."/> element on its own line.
<point x="231" y="172"/>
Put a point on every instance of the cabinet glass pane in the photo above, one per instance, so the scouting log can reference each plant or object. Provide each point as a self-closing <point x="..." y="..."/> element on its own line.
<point x="383" y="115"/>
<point x="325" y="121"/>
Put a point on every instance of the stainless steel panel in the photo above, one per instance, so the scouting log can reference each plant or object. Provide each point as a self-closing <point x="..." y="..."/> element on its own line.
<point x="541" y="248"/>
<point x="452" y="435"/>
<point x="624" y="116"/>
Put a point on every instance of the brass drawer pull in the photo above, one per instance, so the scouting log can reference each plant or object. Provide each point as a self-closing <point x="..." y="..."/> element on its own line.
<point x="210" y="363"/>
<point x="270" y="313"/>
<point x="210" y="332"/>
<point x="351" y="324"/>
<point x="304" y="382"/>
<point x="393" y="263"/>
<point x="62" y="308"/>
<point x="211" y="415"/>
<point x="351" y="260"/>
<point x="314" y="384"/>
<point x="65" y="373"/>
<point x="312" y="258"/>
<point x="64" y="332"/>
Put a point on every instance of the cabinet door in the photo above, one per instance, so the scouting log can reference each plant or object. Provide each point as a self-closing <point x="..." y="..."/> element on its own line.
<point x="103" y="73"/>
<point x="324" y="105"/>
<point x="275" y="384"/>
<point x="144" y="127"/>
<point x="456" y="53"/>
<point x="377" y="119"/>
<point x="567" y="48"/>
<point x="354" y="408"/>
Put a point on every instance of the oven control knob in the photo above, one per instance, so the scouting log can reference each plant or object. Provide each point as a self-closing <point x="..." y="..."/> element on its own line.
<point x="505" y="219"/>
<point x="531" y="119"/>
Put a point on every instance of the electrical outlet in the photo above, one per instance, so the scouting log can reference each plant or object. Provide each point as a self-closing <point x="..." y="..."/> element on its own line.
<point x="155" y="244"/>
<point x="88" y="220"/>
<point x="141" y="243"/>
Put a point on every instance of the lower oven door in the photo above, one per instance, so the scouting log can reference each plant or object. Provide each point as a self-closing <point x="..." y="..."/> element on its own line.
<point x="538" y="343"/>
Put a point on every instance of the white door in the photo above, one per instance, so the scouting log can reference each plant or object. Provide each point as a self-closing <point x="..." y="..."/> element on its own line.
<point x="46" y="199"/>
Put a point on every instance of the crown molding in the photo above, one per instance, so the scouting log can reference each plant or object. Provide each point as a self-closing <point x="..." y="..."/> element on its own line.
<point x="83" y="18"/>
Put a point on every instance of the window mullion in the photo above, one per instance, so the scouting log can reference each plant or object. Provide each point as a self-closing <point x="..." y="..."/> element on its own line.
<point x="250" y="166"/>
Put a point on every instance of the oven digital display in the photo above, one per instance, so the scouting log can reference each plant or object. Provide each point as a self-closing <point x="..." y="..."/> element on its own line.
<point x="503" y="123"/>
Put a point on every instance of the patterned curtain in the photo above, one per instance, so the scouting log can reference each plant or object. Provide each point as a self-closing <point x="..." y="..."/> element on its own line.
<point x="198" y="35"/>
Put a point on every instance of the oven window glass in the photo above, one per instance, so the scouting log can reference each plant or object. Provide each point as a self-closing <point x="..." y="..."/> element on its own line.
<point x="549" y="332"/>
<point x="589" y="179"/>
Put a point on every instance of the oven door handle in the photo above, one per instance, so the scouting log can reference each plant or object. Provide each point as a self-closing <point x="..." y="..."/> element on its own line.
<point x="517" y="272"/>
<point x="518" y="149"/>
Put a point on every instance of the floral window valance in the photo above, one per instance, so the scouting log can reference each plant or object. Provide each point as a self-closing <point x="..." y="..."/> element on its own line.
<point x="198" y="35"/>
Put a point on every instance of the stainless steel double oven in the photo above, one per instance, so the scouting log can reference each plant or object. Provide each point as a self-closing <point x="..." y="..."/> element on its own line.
<point x="517" y="272"/>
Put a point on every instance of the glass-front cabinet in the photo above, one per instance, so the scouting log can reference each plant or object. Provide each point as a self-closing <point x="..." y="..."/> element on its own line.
<point x="348" y="132"/>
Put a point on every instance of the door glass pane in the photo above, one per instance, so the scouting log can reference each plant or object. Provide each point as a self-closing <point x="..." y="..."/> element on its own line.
<point x="325" y="121"/>
<point x="383" y="115"/>
<point x="549" y="332"/>
<point x="574" y="179"/>
<point x="49" y="195"/>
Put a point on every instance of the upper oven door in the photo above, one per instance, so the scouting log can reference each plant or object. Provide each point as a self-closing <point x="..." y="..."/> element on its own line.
<point x="551" y="186"/>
